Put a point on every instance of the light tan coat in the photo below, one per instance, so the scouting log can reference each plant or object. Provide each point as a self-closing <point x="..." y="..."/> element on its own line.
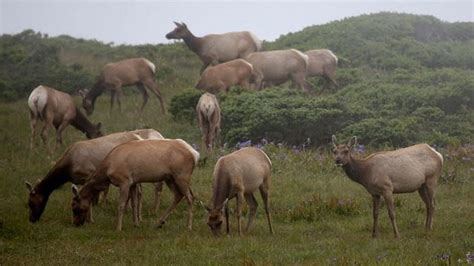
<point x="138" y="72"/>
<point x="221" y="77"/>
<point x="77" y="164"/>
<point x="239" y="175"/>
<point x="415" y="168"/>
<point x="209" y="119"/>
<point x="323" y="63"/>
<point x="140" y="161"/>
<point x="277" y="67"/>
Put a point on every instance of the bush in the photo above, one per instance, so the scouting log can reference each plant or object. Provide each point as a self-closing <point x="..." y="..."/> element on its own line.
<point x="183" y="105"/>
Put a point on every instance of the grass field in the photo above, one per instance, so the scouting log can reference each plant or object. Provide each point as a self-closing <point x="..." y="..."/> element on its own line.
<point x="319" y="215"/>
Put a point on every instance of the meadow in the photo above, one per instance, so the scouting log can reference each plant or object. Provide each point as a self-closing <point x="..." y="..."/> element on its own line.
<point x="319" y="215"/>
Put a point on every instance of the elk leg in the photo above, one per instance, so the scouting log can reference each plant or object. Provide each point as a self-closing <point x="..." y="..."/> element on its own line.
<point x="430" y="191"/>
<point x="375" y="213"/>
<point x="158" y="191"/>
<point x="240" y="200"/>
<point x="264" y="193"/>
<point x="104" y="195"/>
<point x="48" y="122"/>
<point x="177" y="198"/>
<point x="388" y="197"/>
<point x="59" y="131"/>
<point x="153" y="87"/>
<point x="34" y="126"/>
<point x="118" y="96"/>
<point x="134" y="199"/>
<point x="142" y="90"/>
<point x="252" y="207"/>
<point x="139" y="202"/>
<point x="124" y="193"/>
<point x="183" y="187"/>
<point x="227" y="225"/>
<point x="112" y="99"/>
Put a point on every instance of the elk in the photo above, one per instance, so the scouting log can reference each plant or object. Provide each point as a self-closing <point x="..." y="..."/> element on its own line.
<point x="322" y="62"/>
<point x="209" y="119"/>
<point x="238" y="175"/>
<point x="56" y="109"/>
<point x="135" y="71"/>
<point x="77" y="164"/>
<point x="213" y="49"/>
<point x="221" y="77"/>
<point x="171" y="161"/>
<point x="276" y="67"/>
<point x="386" y="173"/>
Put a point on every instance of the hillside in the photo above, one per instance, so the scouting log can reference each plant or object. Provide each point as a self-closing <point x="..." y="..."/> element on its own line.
<point x="403" y="79"/>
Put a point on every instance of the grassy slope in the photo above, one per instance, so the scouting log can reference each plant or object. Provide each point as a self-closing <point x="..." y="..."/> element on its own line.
<point x="319" y="215"/>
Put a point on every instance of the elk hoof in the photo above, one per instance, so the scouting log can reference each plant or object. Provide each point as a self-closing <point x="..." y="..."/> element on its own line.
<point x="160" y="224"/>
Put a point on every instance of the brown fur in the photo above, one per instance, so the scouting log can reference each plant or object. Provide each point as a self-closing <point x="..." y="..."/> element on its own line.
<point x="135" y="71"/>
<point x="322" y="62"/>
<point x="77" y="164"/>
<point x="140" y="161"/>
<point x="213" y="49"/>
<point x="277" y="67"/>
<point x="386" y="173"/>
<point x="221" y="77"/>
<point x="209" y="119"/>
<point x="56" y="109"/>
<point x="238" y="175"/>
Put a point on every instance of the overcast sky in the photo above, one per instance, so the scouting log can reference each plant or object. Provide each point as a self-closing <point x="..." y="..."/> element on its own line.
<point x="140" y="22"/>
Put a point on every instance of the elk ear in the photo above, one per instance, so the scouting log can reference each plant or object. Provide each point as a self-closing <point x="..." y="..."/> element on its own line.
<point x="177" y="24"/>
<point x="75" y="190"/>
<point x="334" y="141"/>
<point x="224" y="204"/>
<point x="184" y="25"/>
<point x="29" y="186"/>
<point x="204" y="206"/>
<point x="352" y="142"/>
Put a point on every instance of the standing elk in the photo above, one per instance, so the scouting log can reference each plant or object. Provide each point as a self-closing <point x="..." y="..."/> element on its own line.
<point x="213" y="49"/>
<point x="135" y="71"/>
<point x="56" y="109"/>
<point x="209" y="119"/>
<point x="171" y="161"/>
<point x="238" y="175"/>
<point x="322" y="62"/>
<point x="77" y="164"/>
<point x="221" y="77"/>
<point x="277" y="67"/>
<point x="386" y="173"/>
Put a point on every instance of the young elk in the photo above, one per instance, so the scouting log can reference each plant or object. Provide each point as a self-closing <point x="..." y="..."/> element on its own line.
<point x="209" y="118"/>
<point x="171" y="161"/>
<point x="221" y="77"/>
<point x="135" y="71"/>
<point x="238" y="175"/>
<point x="56" y="109"/>
<point x="77" y="164"/>
<point x="385" y="173"/>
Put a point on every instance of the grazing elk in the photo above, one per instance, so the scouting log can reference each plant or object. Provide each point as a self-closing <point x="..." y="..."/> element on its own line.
<point x="386" y="173"/>
<point x="77" y="164"/>
<point x="140" y="161"/>
<point x="277" y="67"/>
<point x="209" y="119"/>
<point x="238" y="175"/>
<point x="221" y="77"/>
<point x="213" y="49"/>
<point x="322" y="62"/>
<point x="56" y="109"/>
<point x="135" y="71"/>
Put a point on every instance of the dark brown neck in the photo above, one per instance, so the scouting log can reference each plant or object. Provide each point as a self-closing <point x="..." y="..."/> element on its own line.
<point x="96" y="90"/>
<point x="83" y="124"/>
<point x="355" y="170"/>
<point x="56" y="177"/>
<point x="193" y="42"/>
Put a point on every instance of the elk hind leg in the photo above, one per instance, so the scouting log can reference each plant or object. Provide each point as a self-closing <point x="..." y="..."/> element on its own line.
<point x="252" y="202"/>
<point x="388" y="197"/>
<point x="265" y="195"/>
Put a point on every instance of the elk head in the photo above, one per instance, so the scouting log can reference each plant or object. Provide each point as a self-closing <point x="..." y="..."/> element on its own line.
<point x="36" y="203"/>
<point x="179" y="32"/>
<point x="80" y="207"/>
<point x="215" y="218"/>
<point x="86" y="101"/>
<point x="96" y="132"/>
<point x="342" y="152"/>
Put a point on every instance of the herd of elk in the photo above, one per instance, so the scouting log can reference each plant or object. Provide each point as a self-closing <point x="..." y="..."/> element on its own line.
<point x="127" y="159"/>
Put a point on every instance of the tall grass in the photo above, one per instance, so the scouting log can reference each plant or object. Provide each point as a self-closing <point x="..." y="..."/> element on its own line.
<point x="320" y="216"/>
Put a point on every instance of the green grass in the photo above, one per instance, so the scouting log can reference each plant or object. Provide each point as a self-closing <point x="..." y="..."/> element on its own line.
<point x="319" y="215"/>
